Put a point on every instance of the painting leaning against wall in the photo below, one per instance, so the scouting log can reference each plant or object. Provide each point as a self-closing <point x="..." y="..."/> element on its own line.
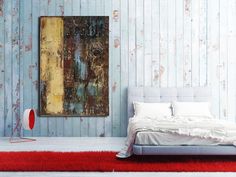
<point x="74" y="66"/>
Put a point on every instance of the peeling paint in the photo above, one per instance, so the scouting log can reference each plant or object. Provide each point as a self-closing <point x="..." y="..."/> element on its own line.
<point x="61" y="9"/>
<point x="35" y="83"/>
<point x="16" y="105"/>
<point x="30" y="73"/>
<point x="16" y="109"/>
<point x="15" y="42"/>
<point x="115" y="15"/>
<point x="161" y="71"/>
<point x="114" y="87"/>
<point x="131" y="56"/>
<point x="15" y="10"/>
<point x="186" y="75"/>
<point x="155" y="75"/>
<point x="30" y="17"/>
<point x="187" y="7"/>
<point x="29" y="46"/>
<point x="134" y="50"/>
<point x="202" y="42"/>
<point x="17" y="89"/>
<point x="116" y="42"/>
<point x="224" y="84"/>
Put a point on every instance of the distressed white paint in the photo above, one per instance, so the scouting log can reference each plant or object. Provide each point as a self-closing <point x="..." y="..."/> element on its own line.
<point x="163" y="43"/>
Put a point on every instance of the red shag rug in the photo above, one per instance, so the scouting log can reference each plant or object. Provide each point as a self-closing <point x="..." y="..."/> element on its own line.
<point x="107" y="162"/>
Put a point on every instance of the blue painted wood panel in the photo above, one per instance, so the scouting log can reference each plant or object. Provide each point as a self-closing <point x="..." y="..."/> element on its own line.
<point x="8" y="69"/>
<point x="2" y="68"/>
<point x="148" y="46"/>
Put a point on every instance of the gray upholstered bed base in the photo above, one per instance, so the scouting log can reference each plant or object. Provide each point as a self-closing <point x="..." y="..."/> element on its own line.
<point x="152" y="94"/>
<point x="184" y="150"/>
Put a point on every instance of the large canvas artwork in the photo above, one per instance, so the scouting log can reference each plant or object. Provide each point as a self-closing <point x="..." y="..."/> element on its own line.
<point x="74" y="66"/>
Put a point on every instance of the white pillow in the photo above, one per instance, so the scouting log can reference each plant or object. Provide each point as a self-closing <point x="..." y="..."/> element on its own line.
<point x="199" y="109"/>
<point x="152" y="109"/>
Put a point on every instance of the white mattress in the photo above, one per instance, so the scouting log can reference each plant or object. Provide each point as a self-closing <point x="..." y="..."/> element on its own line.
<point x="167" y="139"/>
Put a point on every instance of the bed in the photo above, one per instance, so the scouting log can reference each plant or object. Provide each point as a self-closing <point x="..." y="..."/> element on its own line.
<point x="150" y="95"/>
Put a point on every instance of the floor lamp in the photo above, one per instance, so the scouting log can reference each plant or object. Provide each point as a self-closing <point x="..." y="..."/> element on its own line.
<point x="27" y="123"/>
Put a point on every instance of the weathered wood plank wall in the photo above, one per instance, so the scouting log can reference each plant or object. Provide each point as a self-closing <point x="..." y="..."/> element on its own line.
<point x="162" y="43"/>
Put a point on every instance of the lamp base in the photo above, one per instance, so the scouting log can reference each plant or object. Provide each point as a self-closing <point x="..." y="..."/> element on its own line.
<point x="20" y="140"/>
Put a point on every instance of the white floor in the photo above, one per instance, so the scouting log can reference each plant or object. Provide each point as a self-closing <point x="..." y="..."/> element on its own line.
<point x="84" y="144"/>
<point x="64" y="144"/>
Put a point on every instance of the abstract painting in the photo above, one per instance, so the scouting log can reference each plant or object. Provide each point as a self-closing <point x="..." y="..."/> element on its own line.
<point x="74" y="66"/>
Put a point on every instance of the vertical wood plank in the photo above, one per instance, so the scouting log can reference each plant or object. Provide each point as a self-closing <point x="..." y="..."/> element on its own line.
<point x="147" y="42"/>
<point x="27" y="72"/>
<point x="100" y="121"/>
<point x="179" y="42"/>
<point x="195" y="43"/>
<point x="124" y="21"/>
<point x="84" y="121"/>
<point x="92" y="121"/>
<point x="139" y="42"/>
<point x="213" y="52"/>
<point x="2" y="69"/>
<point x="187" y="43"/>
<point x="44" y="120"/>
<point x="231" y="60"/>
<point x="155" y="42"/>
<point x="52" y="121"/>
<point x="132" y="43"/>
<point x="35" y="63"/>
<point x="15" y="64"/>
<point x="76" y="121"/>
<point x="171" y="44"/>
<point x="116" y="69"/>
<point x="21" y="8"/>
<point x="163" y="70"/>
<point x="66" y="124"/>
<point x="8" y="68"/>
<point x="223" y="60"/>
<point x="202" y="43"/>
<point x="108" y="120"/>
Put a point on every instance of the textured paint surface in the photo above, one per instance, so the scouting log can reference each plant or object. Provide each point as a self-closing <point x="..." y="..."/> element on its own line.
<point x="51" y="65"/>
<point x="161" y="43"/>
<point x="74" y="66"/>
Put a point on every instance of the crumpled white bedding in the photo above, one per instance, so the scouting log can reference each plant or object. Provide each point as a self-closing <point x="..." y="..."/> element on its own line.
<point x="220" y="131"/>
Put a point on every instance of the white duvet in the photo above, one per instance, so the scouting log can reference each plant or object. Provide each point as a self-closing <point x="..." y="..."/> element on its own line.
<point x="221" y="131"/>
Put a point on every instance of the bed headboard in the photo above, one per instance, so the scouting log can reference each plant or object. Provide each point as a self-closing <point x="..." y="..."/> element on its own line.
<point x="154" y="94"/>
